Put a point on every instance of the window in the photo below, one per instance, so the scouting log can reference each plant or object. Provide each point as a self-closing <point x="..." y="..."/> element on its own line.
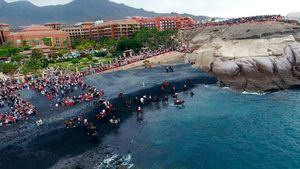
<point x="19" y="41"/>
<point x="26" y="42"/>
<point x="36" y="41"/>
<point x="57" y="42"/>
<point x="65" y="42"/>
<point x="47" y="41"/>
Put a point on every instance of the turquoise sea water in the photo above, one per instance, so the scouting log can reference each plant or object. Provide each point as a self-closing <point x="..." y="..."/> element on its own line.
<point x="218" y="128"/>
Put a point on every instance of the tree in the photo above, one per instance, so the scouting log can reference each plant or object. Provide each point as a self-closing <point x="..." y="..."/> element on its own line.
<point x="47" y="41"/>
<point x="101" y="54"/>
<point x="8" y="68"/>
<point x="36" y="54"/>
<point x="16" y="58"/>
<point x="126" y="44"/>
<point x="148" y="37"/>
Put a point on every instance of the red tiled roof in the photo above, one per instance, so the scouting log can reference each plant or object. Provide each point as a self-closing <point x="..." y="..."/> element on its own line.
<point x="37" y="28"/>
<point x="37" y="33"/>
<point x="3" y="24"/>
<point x="117" y="22"/>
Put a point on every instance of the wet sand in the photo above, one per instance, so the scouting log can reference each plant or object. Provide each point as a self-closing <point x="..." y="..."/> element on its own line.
<point x="28" y="146"/>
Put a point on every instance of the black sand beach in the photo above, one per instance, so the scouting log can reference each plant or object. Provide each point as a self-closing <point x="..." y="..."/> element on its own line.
<point x="26" y="145"/>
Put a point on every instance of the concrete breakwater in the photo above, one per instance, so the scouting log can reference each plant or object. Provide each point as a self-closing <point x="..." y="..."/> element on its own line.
<point x="29" y="146"/>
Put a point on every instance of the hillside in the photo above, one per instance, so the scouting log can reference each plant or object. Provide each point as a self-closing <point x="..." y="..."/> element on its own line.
<point x="25" y="13"/>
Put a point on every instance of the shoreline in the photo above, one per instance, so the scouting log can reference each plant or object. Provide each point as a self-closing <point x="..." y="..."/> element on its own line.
<point x="38" y="141"/>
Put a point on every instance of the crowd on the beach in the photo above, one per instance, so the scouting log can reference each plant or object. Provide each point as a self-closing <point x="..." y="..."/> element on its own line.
<point x="108" y="111"/>
<point x="251" y="19"/>
<point x="60" y="89"/>
<point x="16" y="108"/>
<point x="134" y="58"/>
<point x="63" y="89"/>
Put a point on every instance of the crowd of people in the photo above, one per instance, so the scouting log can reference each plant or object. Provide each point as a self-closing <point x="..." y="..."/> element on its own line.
<point x="108" y="111"/>
<point x="134" y="58"/>
<point x="251" y="19"/>
<point x="60" y="88"/>
<point x="16" y="108"/>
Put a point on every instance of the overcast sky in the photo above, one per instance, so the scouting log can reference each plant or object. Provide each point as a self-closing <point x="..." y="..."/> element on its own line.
<point x="221" y="8"/>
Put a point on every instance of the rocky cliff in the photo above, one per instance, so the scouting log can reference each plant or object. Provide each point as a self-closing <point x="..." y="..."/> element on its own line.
<point x="249" y="57"/>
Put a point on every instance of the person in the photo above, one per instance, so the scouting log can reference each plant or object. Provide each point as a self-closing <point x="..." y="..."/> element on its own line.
<point x="39" y="122"/>
<point x="178" y="102"/>
<point x="192" y="94"/>
<point x="165" y="99"/>
<point x="114" y="120"/>
<point x="175" y="96"/>
<point x="142" y="100"/>
<point x="185" y="88"/>
<point x="174" y="89"/>
<point x="139" y="110"/>
<point x="171" y="69"/>
<point x="121" y="95"/>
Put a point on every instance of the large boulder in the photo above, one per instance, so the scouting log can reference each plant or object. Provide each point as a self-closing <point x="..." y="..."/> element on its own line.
<point x="227" y="68"/>
<point x="251" y="64"/>
<point x="264" y="64"/>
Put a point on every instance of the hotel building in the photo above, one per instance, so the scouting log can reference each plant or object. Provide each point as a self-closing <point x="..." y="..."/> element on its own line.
<point x="115" y="29"/>
<point x="40" y="35"/>
<point x="4" y="31"/>
<point x="166" y="23"/>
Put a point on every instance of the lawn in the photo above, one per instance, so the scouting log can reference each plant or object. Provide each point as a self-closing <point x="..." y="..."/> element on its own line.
<point x="82" y="64"/>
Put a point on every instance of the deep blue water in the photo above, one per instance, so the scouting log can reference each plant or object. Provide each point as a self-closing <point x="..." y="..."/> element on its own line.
<point x="218" y="128"/>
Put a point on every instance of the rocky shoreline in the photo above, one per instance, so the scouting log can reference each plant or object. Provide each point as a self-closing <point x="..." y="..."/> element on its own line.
<point x="249" y="57"/>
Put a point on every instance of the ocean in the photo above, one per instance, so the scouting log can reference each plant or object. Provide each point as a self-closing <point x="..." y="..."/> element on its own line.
<point x="217" y="129"/>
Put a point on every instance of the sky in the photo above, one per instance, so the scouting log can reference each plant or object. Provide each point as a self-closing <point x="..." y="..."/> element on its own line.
<point x="213" y="8"/>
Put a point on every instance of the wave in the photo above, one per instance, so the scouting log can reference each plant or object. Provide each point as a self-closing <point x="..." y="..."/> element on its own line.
<point x="115" y="161"/>
<point x="254" y="93"/>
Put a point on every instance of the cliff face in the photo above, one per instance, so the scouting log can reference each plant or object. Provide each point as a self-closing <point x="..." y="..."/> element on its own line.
<point x="253" y="58"/>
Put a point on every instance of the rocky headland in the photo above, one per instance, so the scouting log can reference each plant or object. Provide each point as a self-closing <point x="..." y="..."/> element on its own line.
<point x="255" y="57"/>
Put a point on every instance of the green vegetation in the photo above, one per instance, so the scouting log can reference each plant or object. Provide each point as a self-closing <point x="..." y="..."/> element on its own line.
<point x="47" y="41"/>
<point x="102" y="50"/>
<point x="78" y="64"/>
<point x="8" y="68"/>
<point x="126" y="44"/>
<point x="145" y="37"/>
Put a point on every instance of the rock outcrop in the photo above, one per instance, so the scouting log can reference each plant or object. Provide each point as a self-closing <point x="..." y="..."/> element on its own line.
<point x="251" y="62"/>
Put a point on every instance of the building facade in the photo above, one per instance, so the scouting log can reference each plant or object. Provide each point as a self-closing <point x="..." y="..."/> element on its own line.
<point x="40" y="35"/>
<point x="123" y="27"/>
<point x="4" y="31"/>
<point x="79" y="30"/>
<point x="167" y="23"/>
<point x="115" y="29"/>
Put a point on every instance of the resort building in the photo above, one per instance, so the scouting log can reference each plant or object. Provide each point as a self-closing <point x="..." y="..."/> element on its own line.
<point x="4" y="31"/>
<point x="166" y="23"/>
<point x="115" y="29"/>
<point x="74" y="31"/>
<point x="79" y="30"/>
<point x="40" y="35"/>
<point x="54" y="25"/>
<point x="123" y="27"/>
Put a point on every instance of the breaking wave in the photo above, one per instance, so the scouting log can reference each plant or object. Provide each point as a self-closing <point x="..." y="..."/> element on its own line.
<point x="115" y="161"/>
